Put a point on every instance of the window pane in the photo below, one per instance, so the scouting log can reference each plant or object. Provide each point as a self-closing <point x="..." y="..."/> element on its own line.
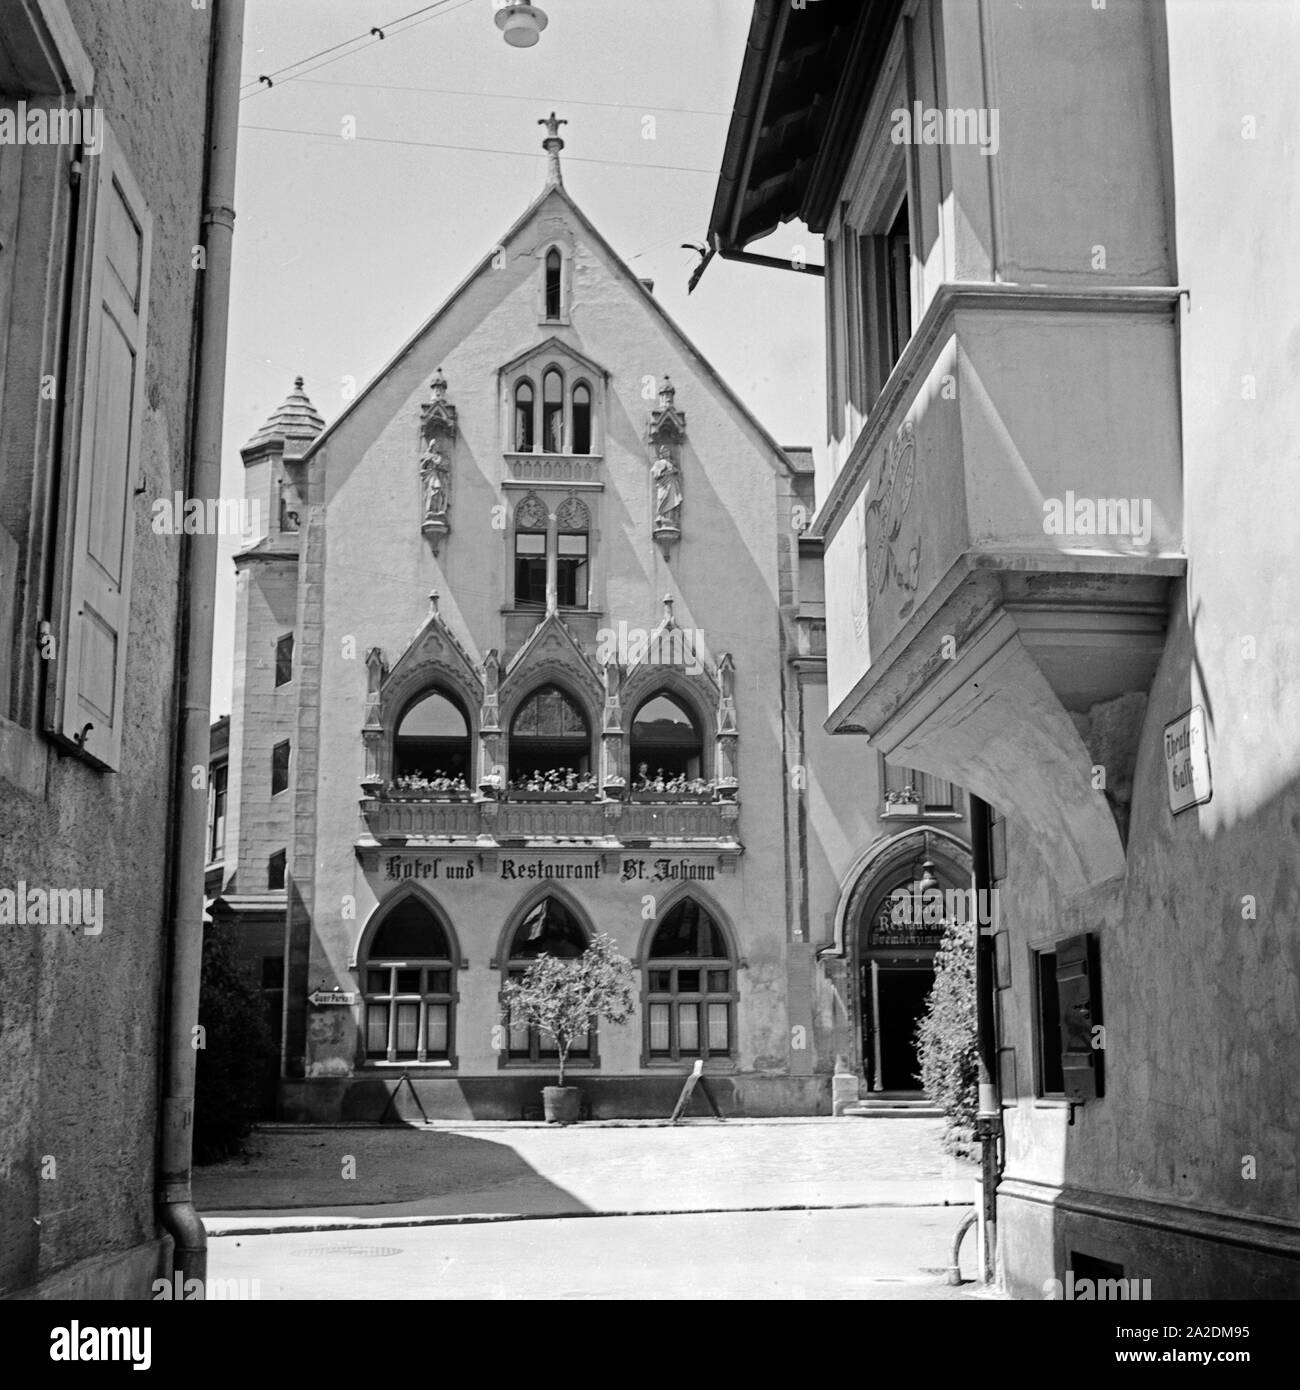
<point x="719" y="981"/>
<point x="719" y="1032"/>
<point x="659" y="1028"/>
<point x="377" y="1029"/>
<point x="408" y="1029"/>
<point x="439" y="982"/>
<point x="377" y="981"/>
<point x="688" y="981"/>
<point x="519" y="1040"/>
<point x="530" y="543"/>
<point x="571" y="582"/>
<point x="408" y="982"/>
<point x="581" y="420"/>
<point x="661" y="981"/>
<point x="573" y="545"/>
<point x="688" y="1028"/>
<point x="438" y="1015"/>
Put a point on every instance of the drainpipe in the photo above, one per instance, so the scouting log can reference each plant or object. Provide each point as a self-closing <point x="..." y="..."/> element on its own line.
<point x="194" y="671"/>
<point x="988" y="1120"/>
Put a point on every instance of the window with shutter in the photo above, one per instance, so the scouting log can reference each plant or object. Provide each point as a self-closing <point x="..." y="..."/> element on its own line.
<point x="1078" y="988"/>
<point x="105" y="386"/>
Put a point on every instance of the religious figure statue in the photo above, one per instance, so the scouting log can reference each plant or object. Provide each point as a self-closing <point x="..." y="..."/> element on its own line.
<point x="668" y="492"/>
<point x="433" y="473"/>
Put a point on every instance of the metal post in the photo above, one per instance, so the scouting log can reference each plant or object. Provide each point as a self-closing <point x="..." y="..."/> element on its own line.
<point x="988" y="1123"/>
<point x="875" y="1024"/>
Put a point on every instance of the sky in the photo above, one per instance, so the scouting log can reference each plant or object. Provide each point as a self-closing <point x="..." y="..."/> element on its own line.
<point x="345" y="246"/>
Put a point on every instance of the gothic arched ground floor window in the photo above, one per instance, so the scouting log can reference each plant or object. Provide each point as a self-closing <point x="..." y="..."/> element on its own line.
<point x="547" y="928"/>
<point x="690" y="983"/>
<point x="408" y="987"/>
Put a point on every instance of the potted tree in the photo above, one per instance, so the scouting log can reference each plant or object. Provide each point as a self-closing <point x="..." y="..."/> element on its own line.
<point x="564" y="998"/>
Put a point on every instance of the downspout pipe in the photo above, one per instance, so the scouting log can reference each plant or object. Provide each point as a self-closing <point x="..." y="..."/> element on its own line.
<point x="988" y="1120"/>
<point x="176" y="1209"/>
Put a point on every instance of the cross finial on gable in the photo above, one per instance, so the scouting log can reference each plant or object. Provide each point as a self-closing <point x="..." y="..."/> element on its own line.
<point x="553" y="144"/>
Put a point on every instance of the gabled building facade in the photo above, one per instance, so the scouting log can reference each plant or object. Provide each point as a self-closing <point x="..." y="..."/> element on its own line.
<point x="1049" y="377"/>
<point x="552" y="657"/>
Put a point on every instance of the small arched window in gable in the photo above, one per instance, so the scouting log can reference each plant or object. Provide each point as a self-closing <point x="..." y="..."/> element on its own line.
<point x="554" y="284"/>
<point x="582" y="418"/>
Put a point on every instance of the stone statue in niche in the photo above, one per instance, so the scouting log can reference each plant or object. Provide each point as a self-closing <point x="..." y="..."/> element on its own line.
<point x="666" y="432"/>
<point x="433" y="474"/>
<point x="668" y="491"/>
<point x="437" y="437"/>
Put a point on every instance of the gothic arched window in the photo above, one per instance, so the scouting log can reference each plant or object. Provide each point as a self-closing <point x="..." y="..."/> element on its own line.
<point x="408" y="995"/>
<point x="554" y="282"/>
<point x="552" y="411"/>
<point x="524" y="417"/>
<point x="548" y="928"/>
<point x="689" y="998"/>
<point x="581" y="418"/>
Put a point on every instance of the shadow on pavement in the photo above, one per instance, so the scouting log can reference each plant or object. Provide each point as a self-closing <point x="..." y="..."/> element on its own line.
<point x="354" y="1172"/>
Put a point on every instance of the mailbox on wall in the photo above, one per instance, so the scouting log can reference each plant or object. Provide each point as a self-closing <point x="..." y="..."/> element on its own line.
<point x="1078" y="988"/>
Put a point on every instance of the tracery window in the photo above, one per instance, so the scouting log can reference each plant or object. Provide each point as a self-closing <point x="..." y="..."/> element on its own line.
<point x="689" y="996"/>
<point x="409" y="1000"/>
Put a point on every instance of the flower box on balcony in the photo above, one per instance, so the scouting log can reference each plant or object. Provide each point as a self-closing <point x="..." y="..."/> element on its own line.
<point x="592" y="795"/>
<point x="903" y="808"/>
<point x="430" y="794"/>
<point x="698" y="797"/>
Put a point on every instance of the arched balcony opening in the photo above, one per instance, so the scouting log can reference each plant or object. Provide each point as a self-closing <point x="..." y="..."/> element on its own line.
<point x="667" y="747"/>
<point x="431" y="748"/>
<point x="550" y="744"/>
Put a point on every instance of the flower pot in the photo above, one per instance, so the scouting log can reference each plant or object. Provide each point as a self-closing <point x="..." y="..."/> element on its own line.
<point x="560" y="1104"/>
<point x="905" y="808"/>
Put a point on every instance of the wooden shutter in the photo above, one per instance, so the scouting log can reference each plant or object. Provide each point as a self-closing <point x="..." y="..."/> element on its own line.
<point x="104" y="386"/>
<point x="1078" y="989"/>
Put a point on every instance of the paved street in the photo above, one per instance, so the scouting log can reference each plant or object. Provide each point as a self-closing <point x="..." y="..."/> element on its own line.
<point x="517" y="1169"/>
<point x="786" y="1209"/>
<point x="881" y="1253"/>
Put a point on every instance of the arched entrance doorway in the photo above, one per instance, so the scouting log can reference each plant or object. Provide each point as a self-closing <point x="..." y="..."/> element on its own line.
<point x="891" y="954"/>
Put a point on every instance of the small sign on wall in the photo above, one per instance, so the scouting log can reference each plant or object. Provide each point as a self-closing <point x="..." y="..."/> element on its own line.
<point x="320" y="998"/>
<point x="1187" y="761"/>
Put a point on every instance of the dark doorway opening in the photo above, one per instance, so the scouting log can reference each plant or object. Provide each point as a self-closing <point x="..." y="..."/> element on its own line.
<point x="893" y="1005"/>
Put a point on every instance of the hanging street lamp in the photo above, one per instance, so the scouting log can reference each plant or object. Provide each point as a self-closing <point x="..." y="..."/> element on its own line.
<point x="521" y="25"/>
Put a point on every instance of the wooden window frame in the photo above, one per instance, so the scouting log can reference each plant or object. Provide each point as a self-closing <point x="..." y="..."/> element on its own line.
<point x="424" y="996"/>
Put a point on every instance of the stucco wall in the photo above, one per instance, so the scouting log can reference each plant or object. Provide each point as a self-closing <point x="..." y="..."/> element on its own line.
<point x="81" y="1015"/>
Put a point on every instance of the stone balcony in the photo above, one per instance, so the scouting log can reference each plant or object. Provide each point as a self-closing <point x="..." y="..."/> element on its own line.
<point x="483" y="823"/>
<point x="994" y="615"/>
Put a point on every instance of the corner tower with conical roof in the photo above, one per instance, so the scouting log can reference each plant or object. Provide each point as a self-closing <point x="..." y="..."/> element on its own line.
<point x="264" y="691"/>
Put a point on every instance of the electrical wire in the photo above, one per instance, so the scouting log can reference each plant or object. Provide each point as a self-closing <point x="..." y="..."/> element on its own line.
<point x="475" y="149"/>
<point x="557" y="102"/>
<point x="256" y="85"/>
